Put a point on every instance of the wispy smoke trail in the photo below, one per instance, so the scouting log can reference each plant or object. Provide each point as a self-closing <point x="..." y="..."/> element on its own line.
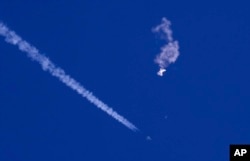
<point x="170" y="51"/>
<point x="12" y="38"/>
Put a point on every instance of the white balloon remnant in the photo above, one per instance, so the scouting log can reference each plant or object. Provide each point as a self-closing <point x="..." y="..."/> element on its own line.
<point x="170" y="51"/>
<point x="161" y="71"/>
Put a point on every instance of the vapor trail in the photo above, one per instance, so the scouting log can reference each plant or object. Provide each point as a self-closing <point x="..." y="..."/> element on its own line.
<point x="170" y="51"/>
<point x="33" y="53"/>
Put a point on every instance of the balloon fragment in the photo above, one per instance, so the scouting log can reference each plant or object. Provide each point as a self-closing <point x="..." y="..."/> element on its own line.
<point x="170" y="51"/>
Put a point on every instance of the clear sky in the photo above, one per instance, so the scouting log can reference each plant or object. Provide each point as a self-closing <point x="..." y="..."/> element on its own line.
<point x="199" y="107"/>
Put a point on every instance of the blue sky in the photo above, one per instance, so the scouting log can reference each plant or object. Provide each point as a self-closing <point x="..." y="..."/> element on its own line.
<point x="194" y="112"/>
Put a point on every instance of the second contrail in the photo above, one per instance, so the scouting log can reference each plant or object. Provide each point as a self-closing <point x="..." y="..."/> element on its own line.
<point x="47" y="65"/>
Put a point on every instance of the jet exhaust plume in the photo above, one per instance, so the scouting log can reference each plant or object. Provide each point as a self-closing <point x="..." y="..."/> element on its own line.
<point x="47" y="65"/>
<point x="170" y="51"/>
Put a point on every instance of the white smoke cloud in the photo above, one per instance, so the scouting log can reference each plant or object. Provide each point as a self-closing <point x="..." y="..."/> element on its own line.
<point x="170" y="51"/>
<point x="12" y="38"/>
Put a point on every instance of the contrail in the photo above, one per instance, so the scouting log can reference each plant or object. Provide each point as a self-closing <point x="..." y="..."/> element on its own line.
<point x="170" y="51"/>
<point x="47" y="65"/>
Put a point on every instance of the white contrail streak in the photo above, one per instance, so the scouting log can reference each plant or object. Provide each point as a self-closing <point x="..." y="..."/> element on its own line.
<point x="12" y="38"/>
<point x="170" y="51"/>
